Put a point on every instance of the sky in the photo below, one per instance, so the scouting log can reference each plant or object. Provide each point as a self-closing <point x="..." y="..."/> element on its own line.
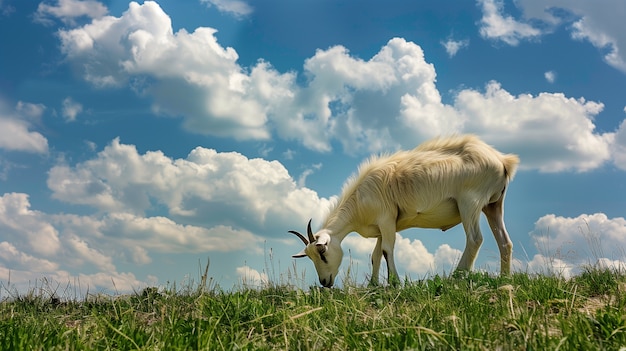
<point x="139" y="140"/>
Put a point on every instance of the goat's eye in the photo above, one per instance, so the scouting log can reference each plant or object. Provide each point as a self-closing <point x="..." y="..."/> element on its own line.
<point x="323" y="257"/>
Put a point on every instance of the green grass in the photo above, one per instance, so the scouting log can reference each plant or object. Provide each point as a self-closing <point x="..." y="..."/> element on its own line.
<point x="477" y="311"/>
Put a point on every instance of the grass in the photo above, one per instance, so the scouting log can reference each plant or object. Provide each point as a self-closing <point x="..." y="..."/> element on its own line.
<point x="477" y="311"/>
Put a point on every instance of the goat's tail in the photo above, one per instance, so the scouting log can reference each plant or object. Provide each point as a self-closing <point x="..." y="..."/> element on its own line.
<point x="510" y="163"/>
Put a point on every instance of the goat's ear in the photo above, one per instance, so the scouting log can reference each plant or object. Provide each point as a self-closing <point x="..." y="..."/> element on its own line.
<point x="300" y="254"/>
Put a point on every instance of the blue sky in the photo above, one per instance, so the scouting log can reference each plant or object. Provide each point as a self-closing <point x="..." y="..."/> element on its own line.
<point x="139" y="139"/>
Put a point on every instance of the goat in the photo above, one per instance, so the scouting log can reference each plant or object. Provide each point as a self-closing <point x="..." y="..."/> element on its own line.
<point x="439" y="184"/>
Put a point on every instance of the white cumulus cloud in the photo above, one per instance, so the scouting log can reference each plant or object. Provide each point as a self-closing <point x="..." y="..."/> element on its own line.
<point x="599" y="22"/>
<point x="385" y="102"/>
<point x="412" y="257"/>
<point x="496" y="25"/>
<point x="250" y="277"/>
<point x="36" y="243"/>
<point x="572" y="242"/>
<point x="69" y="10"/>
<point x="550" y="132"/>
<point x="16" y="128"/>
<point x="618" y="147"/>
<point x="207" y="187"/>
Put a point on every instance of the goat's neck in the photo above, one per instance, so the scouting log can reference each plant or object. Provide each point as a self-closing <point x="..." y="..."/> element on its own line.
<point x="340" y="220"/>
<point x="338" y="230"/>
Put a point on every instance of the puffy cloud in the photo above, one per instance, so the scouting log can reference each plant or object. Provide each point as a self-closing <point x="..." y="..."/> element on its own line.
<point x="193" y="75"/>
<point x="207" y="187"/>
<point x="495" y="25"/>
<point x="550" y="76"/>
<point x="251" y="277"/>
<point x="69" y="10"/>
<point x="453" y="46"/>
<point x="23" y="261"/>
<point x="161" y="234"/>
<point x="550" y="132"/>
<point x="237" y="8"/>
<point x="14" y="135"/>
<point x="412" y="257"/>
<point x="383" y="103"/>
<point x="549" y="265"/>
<point x="16" y="125"/>
<point x="568" y="243"/>
<point x="618" y="147"/>
<point x="386" y="102"/>
<point x="599" y="22"/>
<point x="26" y="226"/>
<point x="36" y="243"/>
<point x="71" y="109"/>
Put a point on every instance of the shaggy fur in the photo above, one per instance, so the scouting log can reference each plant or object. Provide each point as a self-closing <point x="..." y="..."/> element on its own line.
<point x="439" y="184"/>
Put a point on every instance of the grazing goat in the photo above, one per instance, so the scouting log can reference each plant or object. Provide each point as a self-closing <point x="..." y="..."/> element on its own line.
<point x="439" y="184"/>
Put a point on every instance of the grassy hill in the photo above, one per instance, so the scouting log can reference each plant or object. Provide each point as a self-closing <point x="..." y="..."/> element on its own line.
<point x="477" y="311"/>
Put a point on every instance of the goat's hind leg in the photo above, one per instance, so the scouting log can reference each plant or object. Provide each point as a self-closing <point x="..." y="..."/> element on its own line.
<point x="495" y="216"/>
<point x="470" y="215"/>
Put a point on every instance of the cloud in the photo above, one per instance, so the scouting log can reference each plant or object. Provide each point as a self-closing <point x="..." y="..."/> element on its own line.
<point x="29" y="111"/>
<point x="71" y="109"/>
<point x="602" y="38"/>
<point x="20" y="260"/>
<point x="194" y="76"/>
<point x="549" y="265"/>
<point x="236" y="8"/>
<point x="618" y="147"/>
<point x="162" y="234"/>
<point x="68" y="11"/>
<point x="412" y="257"/>
<point x="14" y="135"/>
<point x="572" y="242"/>
<point x="571" y="140"/>
<point x="600" y="23"/>
<point x="386" y="102"/>
<point x="551" y="132"/>
<point x="206" y="187"/>
<point x="495" y="25"/>
<point x="307" y="172"/>
<point x="377" y="104"/>
<point x="251" y="277"/>
<point x="453" y="46"/>
<point x="6" y="9"/>
<point x="37" y="243"/>
<point x="550" y="76"/>
<point x="214" y="202"/>
<point x="415" y="258"/>
<point x="16" y="125"/>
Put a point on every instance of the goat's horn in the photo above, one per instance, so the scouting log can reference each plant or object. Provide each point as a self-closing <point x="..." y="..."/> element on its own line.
<point x="299" y="236"/>
<point x="310" y="232"/>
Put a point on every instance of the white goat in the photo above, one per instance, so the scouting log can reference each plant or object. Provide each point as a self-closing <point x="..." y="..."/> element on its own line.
<point x="439" y="184"/>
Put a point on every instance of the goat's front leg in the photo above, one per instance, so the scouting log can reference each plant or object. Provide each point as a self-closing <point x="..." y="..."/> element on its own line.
<point x="377" y="255"/>
<point x="388" y="241"/>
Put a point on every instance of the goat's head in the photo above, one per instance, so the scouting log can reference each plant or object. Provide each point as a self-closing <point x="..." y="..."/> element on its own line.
<point x="325" y="253"/>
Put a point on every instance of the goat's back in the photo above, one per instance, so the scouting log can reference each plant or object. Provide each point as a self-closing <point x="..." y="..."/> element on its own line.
<point x="436" y="169"/>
